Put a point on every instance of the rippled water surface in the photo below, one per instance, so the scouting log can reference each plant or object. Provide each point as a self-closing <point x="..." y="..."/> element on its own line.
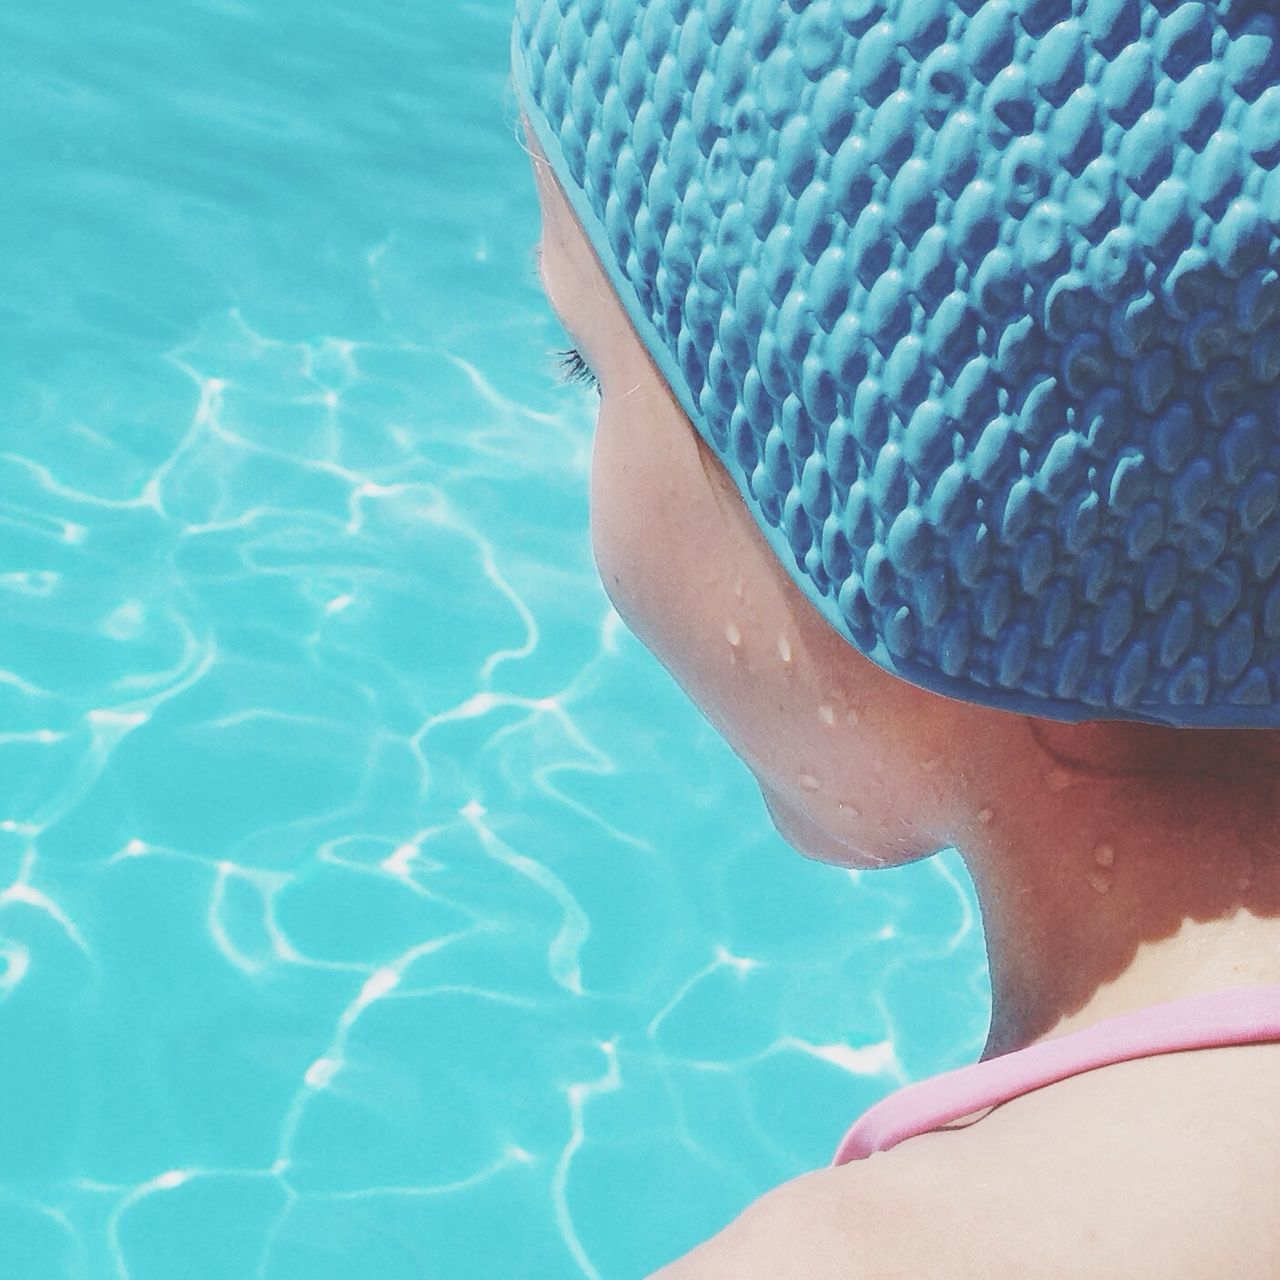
<point x="371" y="903"/>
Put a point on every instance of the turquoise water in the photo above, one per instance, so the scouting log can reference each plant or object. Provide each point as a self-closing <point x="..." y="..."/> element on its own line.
<point x="371" y="903"/>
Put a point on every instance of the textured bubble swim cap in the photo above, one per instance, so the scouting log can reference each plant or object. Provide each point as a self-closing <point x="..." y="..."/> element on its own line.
<point x="977" y="303"/>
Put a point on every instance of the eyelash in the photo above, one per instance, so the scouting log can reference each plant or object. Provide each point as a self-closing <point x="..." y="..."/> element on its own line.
<point x="574" y="370"/>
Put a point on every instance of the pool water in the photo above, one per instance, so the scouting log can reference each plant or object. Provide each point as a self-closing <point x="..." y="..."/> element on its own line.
<point x="371" y="903"/>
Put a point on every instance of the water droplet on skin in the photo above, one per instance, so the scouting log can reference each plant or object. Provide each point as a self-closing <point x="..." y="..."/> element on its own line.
<point x="808" y="782"/>
<point x="1104" y="855"/>
<point x="1100" y="881"/>
<point x="851" y="809"/>
<point x="826" y="714"/>
<point x="985" y="816"/>
<point x="1058" y="779"/>
<point x="784" y="648"/>
<point x="852" y="717"/>
<point x="733" y="635"/>
<point x="737" y="591"/>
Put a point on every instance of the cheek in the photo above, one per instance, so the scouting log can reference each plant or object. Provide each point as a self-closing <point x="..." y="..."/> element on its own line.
<point x="704" y="594"/>
<point x="644" y="515"/>
<point x="617" y="541"/>
<point x="672" y="567"/>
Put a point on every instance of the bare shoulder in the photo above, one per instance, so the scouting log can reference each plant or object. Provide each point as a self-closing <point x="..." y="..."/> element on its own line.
<point x="863" y="1222"/>
<point x="1147" y="1169"/>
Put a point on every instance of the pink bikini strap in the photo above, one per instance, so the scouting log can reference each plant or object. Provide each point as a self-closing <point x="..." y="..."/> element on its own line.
<point x="1246" y="1015"/>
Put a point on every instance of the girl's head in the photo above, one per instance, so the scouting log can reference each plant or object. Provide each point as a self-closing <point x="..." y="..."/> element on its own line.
<point x="978" y="354"/>
<point x="688" y="570"/>
<point x="857" y="765"/>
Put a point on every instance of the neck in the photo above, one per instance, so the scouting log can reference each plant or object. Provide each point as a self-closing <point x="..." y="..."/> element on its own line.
<point x="1097" y="901"/>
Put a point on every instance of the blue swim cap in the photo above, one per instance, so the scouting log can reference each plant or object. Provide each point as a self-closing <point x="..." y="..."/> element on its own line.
<point x="977" y="302"/>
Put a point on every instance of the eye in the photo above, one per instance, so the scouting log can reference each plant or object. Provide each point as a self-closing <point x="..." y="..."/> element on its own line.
<point x="573" y="370"/>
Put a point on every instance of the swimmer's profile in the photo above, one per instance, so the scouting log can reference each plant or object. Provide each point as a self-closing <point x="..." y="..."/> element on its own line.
<point x="938" y="459"/>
